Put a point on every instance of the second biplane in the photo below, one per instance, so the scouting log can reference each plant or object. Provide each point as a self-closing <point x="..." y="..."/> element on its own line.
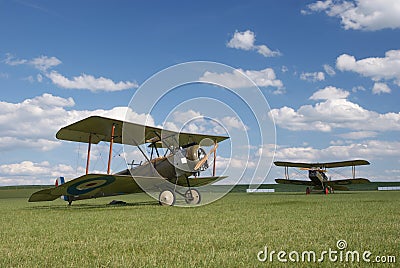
<point x="181" y="164"/>
<point x="318" y="179"/>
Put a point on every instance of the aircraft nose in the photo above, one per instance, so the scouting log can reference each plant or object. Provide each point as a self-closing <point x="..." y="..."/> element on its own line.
<point x="192" y="152"/>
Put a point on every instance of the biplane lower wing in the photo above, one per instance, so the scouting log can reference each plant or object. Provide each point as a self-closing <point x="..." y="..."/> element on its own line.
<point x="201" y="181"/>
<point x="296" y="182"/>
<point x="347" y="182"/>
<point x="101" y="185"/>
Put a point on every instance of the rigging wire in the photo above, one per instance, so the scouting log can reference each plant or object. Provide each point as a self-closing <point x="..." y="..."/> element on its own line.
<point x="77" y="159"/>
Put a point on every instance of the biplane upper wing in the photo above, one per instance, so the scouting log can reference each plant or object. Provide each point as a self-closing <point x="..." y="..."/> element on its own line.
<point x="90" y="186"/>
<point x="322" y="165"/>
<point x="96" y="128"/>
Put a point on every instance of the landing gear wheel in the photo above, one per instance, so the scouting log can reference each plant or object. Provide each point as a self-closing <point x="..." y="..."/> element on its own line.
<point x="166" y="198"/>
<point x="192" y="197"/>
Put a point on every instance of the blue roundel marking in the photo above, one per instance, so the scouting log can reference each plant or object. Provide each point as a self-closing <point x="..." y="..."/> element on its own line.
<point x="85" y="186"/>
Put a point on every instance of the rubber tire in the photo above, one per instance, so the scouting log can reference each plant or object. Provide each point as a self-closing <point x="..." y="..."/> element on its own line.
<point x="166" y="198"/>
<point x="195" y="195"/>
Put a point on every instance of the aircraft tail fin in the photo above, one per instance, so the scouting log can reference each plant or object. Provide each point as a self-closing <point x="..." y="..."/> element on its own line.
<point x="60" y="181"/>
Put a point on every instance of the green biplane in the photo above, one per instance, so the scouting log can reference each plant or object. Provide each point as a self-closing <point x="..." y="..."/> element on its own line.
<point x="318" y="179"/>
<point x="181" y="164"/>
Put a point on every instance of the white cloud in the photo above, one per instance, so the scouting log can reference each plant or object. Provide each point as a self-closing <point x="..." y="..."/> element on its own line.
<point x="89" y="82"/>
<point x="313" y="77"/>
<point x="387" y="68"/>
<point x="380" y="88"/>
<point x="242" y="40"/>
<point x="262" y="78"/>
<point x="358" y="88"/>
<point x="29" y="173"/>
<point x="41" y="63"/>
<point x="84" y="81"/>
<point x="361" y="14"/>
<point x="15" y="143"/>
<point x="332" y="113"/>
<point x="357" y="135"/>
<point x="11" y="60"/>
<point x="329" y="93"/>
<point x="329" y="70"/>
<point x="372" y="149"/>
<point x="245" y="41"/>
<point x="33" y="123"/>
<point x="194" y="121"/>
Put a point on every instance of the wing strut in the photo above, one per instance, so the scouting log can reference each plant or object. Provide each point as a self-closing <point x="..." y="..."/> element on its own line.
<point x="215" y="158"/>
<point x="287" y="172"/>
<point x="353" y="171"/>
<point x="111" y="145"/>
<point x="88" y="153"/>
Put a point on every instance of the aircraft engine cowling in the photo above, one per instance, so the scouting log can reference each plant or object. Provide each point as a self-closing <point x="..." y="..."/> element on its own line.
<point x="196" y="153"/>
<point x="192" y="152"/>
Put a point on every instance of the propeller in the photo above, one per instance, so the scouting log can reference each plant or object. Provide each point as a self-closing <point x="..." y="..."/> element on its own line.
<point x="202" y="161"/>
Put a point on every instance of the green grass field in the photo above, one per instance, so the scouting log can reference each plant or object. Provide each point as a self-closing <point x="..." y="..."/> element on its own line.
<point x="227" y="233"/>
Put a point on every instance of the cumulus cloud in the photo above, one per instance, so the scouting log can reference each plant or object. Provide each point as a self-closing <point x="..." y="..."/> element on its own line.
<point x="360" y="14"/>
<point x="245" y="41"/>
<point x="262" y="78"/>
<point x="357" y="135"/>
<point x="33" y="123"/>
<point x="29" y="173"/>
<point x="334" y="112"/>
<point x="329" y="93"/>
<point x="380" y="88"/>
<point x="371" y="149"/>
<point x="196" y="122"/>
<point x="89" y="82"/>
<point x="313" y="77"/>
<point x="387" y="68"/>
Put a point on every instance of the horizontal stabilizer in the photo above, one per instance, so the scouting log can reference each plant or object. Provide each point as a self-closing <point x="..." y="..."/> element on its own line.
<point x="43" y="195"/>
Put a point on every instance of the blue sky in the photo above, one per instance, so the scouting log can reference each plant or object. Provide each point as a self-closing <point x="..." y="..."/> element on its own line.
<point x="330" y="71"/>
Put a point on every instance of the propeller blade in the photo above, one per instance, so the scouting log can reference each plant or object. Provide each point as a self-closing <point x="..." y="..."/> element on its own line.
<point x="202" y="161"/>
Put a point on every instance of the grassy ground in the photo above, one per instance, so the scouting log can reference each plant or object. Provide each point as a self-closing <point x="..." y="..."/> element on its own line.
<point x="226" y="233"/>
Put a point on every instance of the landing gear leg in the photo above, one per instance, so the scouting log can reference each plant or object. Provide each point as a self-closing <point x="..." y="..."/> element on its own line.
<point x="192" y="197"/>
<point x="69" y="201"/>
